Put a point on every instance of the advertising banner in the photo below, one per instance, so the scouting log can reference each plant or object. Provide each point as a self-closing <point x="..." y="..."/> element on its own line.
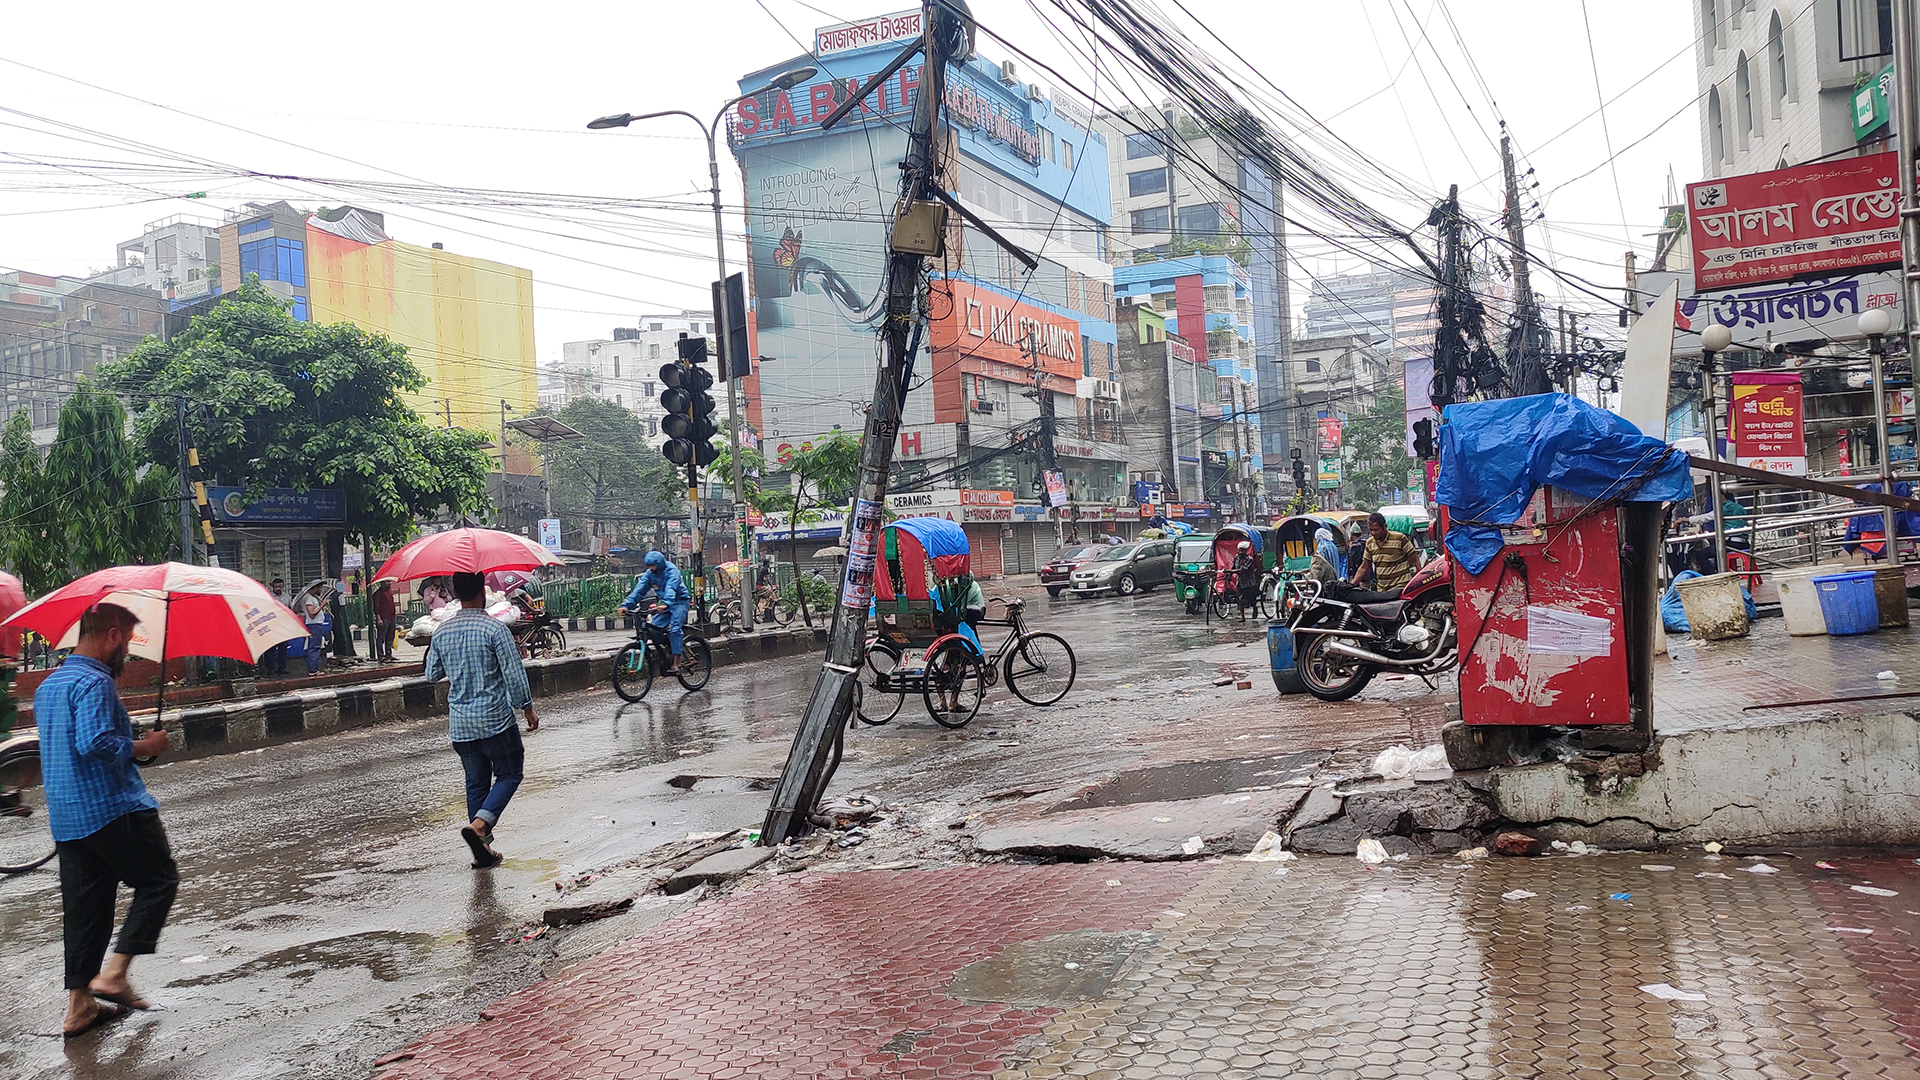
<point x="1329" y="473"/>
<point x="993" y="334"/>
<point x="1808" y="310"/>
<point x="1417" y="386"/>
<point x="550" y="533"/>
<point x="1056" y="488"/>
<point x="1329" y="427"/>
<point x="277" y="506"/>
<point x="1827" y="218"/>
<point x="863" y="553"/>
<point x="1765" y="422"/>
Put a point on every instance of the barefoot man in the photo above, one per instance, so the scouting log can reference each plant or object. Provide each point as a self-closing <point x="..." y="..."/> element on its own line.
<point x="105" y="825"/>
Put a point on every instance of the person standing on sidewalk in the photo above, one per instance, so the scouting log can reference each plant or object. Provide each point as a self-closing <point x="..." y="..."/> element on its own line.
<point x="475" y="653"/>
<point x="275" y="661"/>
<point x="105" y="825"/>
<point x="385" y="614"/>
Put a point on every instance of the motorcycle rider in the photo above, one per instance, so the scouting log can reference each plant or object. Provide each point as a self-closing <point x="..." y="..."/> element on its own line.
<point x="662" y="579"/>
<point x="1390" y="555"/>
<point x="1246" y="578"/>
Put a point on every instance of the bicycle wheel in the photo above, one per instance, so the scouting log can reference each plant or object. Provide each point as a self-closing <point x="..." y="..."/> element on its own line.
<point x="696" y="662"/>
<point x="1219" y="606"/>
<point x="955" y="671"/>
<point x="545" y="641"/>
<point x="25" y="839"/>
<point x="876" y="705"/>
<point x="1040" y="669"/>
<point x="632" y="671"/>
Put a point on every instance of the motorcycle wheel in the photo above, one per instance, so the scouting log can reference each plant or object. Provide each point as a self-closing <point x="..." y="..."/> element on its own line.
<point x="1331" y="678"/>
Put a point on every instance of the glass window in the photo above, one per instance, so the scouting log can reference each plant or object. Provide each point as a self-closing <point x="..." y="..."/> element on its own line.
<point x="300" y="309"/>
<point x="1145" y="144"/>
<point x="1066" y="154"/>
<point x="256" y="226"/>
<point x="616" y="366"/>
<point x="1151" y="220"/>
<point x="1046" y="144"/>
<point x="1147" y="183"/>
<point x="1202" y="220"/>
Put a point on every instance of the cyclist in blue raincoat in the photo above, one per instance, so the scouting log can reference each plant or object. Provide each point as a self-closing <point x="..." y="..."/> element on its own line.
<point x="663" y="580"/>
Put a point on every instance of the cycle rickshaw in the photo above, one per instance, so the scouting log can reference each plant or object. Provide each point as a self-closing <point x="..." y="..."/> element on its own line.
<point x="919" y="644"/>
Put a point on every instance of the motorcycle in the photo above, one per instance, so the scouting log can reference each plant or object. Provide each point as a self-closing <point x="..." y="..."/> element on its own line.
<point x="1344" y="636"/>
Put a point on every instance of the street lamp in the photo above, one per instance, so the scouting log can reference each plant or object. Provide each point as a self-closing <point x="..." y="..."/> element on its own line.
<point x="786" y="80"/>
<point x="1874" y="323"/>
<point x="1714" y="338"/>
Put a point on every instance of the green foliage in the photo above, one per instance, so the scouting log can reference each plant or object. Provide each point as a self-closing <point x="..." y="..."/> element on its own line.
<point x="282" y="403"/>
<point x="1376" y="452"/>
<point x="90" y="470"/>
<point x="821" y="476"/>
<point x="32" y="539"/>
<point x="614" y="474"/>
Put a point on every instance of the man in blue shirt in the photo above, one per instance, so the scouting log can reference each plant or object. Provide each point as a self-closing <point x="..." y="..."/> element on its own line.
<point x="105" y="825"/>
<point x="663" y="580"/>
<point x="475" y="653"/>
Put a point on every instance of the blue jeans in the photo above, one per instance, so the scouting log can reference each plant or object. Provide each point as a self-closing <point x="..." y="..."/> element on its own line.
<point x="493" y="766"/>
<point x="675" y="620"/>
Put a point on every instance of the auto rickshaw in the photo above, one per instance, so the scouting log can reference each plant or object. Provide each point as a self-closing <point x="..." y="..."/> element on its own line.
<point x="1293" y="537"/>
<point x="1226" y="546"/>
<point x="1192" y="563"/>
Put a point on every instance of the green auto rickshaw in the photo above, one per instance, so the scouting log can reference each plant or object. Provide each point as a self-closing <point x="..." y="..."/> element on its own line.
<point x="1192" y="560"/>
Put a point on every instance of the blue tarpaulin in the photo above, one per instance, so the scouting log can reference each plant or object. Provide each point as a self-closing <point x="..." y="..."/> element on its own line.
<point x="1495" y="454"/>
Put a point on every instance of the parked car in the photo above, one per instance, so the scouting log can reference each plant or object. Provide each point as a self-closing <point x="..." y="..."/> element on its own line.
<point x="1127" y="569"/>
<point x="1057" y="573"/>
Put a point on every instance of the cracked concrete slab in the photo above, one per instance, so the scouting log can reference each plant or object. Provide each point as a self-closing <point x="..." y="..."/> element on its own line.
<point x="1228" y="823"/>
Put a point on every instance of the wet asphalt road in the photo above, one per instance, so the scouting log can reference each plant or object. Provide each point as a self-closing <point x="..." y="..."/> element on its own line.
<point x="328" y="914"/>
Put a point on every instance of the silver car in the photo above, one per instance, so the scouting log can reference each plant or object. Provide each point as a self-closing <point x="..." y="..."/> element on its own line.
<point x="1126" y="569"/>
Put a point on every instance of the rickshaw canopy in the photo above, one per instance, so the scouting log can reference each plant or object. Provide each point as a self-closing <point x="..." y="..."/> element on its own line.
<point x="918" y="553"/>
<point x="1294" y="537"/>
<point x="1226" y="543"/>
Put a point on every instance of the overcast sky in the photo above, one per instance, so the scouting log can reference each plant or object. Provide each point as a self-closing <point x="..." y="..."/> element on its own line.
<point x="367" y="97"/>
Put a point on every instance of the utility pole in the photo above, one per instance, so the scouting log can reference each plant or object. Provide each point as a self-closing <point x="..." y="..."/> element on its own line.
<point x="1049" y="457"/>
<point x="919" y="230"/>
<point x="1906" y="126"/>
<point x="503" y="462"/>
<point x="1448" y="345"/>
<point x="186" y="492"/>
<point x="1526" y="373"/>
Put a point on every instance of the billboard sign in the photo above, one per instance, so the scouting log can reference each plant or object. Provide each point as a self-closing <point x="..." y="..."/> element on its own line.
<point x="1766" y="422"/>
<point x="277" y="506"/>
<point x="1056" y="488"/>
<point x="1873" y="104"/>
<point x="993" y="334"/>
<point x="879" y="30"/>
<point x="550" y="533"/>
<point x="1828" y="218"/>
<point x="1329" y="473"/>
<point x="1329" y="427"/>
<point x="1810" y="310"/>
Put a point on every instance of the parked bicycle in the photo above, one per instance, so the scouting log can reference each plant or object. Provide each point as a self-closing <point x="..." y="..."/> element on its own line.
<point x="650" y="653"/>
<point x="539" y="636"/>
<point x="1039" y="669"/>
<point x="26" y="840"/>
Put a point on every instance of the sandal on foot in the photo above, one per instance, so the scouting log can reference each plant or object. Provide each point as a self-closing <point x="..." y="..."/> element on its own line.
<point x="483" y="853"/>
<point x="126" y="998"/>
<point x="106" y="1013"/>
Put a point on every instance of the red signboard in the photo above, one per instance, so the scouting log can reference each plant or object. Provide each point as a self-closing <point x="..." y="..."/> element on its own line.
<point x="1765" y="422"/>
<point x="1329" y="434"/>
<point x="1829" y="218"/>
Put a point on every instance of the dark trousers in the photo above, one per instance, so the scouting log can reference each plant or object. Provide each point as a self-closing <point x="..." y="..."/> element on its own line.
<point x="493" y="767"/>
<point x="383" y="641"/>
<point x="130" y="849"/>
<point x="274" y="660"/>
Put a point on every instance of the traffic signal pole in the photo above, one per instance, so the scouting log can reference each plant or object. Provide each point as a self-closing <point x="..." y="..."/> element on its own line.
<point x="918" y="226"/>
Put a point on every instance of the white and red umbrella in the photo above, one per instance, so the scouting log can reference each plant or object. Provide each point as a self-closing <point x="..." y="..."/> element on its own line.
<point x="183" y="611"/>
<point x="464" y="551"/>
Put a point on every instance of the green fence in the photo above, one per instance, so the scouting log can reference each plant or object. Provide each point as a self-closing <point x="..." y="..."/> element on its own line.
<point x="588" y="597"/>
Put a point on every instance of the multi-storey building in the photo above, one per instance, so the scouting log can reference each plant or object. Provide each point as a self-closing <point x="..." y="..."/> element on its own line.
<point x="53" y="330"/>
<point x="1178" y="191"/>
<point x="624" y="369"/>
<point x="1004" y="344"/>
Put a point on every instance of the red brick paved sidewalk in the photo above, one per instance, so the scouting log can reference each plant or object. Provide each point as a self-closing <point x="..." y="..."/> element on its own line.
<point x="1321" y="968"/>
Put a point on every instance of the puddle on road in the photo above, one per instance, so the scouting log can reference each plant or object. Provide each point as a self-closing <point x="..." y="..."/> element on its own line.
<point x="1060" y="971"/>
<point x="388" y="955"/>
<point x="722" y="785"/>
<point x="1191" y="780"/>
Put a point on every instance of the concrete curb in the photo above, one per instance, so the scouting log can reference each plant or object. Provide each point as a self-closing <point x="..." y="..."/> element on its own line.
<point x="231" y="726"/>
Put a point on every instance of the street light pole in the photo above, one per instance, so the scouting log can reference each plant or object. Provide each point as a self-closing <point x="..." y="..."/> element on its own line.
<point x="723" y="317"/>
<point x="1714" y="338"/>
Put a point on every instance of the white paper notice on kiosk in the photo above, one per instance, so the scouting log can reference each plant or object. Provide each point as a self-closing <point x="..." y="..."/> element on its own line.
<point x="1567" y="633"/>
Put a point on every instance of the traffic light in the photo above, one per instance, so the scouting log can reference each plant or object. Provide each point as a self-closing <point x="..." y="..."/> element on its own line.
<point x="1299" y="474"/>
<point x="1423" y="438"/>
<point x="688" y="425"/>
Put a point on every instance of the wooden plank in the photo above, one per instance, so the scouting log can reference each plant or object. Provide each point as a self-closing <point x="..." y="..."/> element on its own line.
<point x="1824" y="487"/>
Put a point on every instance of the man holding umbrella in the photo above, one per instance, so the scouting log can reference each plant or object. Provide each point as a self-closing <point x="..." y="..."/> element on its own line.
<point x="477" y="656"/>
<point x="105" y="824"/>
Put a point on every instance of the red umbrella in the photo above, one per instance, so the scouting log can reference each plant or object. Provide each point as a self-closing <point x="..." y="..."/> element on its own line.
<point x="464" y="551"/>
<point x="13" y="597"/>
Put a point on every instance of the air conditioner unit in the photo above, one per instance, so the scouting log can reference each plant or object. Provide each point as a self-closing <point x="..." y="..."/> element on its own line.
<point x="979" y="406"/>
<point x="1106" y="388"/>
<point x="1034" y="93"/>
<point x="1006" y="73"/>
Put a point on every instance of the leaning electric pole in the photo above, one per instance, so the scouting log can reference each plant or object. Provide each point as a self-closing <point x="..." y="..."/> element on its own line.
<point x="1526" y="374"/>
<point x="919" y="231"/>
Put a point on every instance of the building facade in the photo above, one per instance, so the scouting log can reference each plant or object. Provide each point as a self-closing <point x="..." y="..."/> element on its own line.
<point x="625" y="368"/>
<point x="1179" y="191"/>
<point x="55" y="330"/>
<point x="1004" y="344"/>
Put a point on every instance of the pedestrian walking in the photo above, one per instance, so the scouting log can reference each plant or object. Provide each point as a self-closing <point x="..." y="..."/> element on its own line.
<point x="476" y="654"/>
<point x="319" y="624"/>
<point x="386" y="616"/>
<point x="105" y="824"/>
<point x="275" y="662"/>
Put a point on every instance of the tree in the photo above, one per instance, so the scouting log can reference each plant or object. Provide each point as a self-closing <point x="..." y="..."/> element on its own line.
<point x="32" y="539"/>
<point x="276" y="402"/>
<point x="821" y="476"/>
<point x="612" y="475"/>
<point x="1376" y="443"/>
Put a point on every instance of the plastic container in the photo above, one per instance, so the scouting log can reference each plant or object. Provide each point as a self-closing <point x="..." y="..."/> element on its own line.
<point x="1716" y="607"/>
<point x="1848" y="602"/>
<point x="1890" y="592"/>
<point x="1800" y="601"/>
<point x="1286" y="677"/>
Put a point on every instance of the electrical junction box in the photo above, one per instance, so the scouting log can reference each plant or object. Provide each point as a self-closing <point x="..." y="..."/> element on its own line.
<point x="920" y="229"/>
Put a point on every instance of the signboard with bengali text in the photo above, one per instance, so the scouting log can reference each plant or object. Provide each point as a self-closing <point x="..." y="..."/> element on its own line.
<point x="1766" y="422"/>
<point x="1833" y="217"/>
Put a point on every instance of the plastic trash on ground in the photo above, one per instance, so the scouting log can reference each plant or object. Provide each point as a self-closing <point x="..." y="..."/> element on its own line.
<point x="1517" y="894"/>
<point x="1394" y="763"/>
<point x="1668" y="993"/>
<point x="1474" y="853"/>
<point x="1370" y="851"/>
<point x="1193" y="845"/>
<point x="1268" y="850"/>
<point x="1430" y="758"/>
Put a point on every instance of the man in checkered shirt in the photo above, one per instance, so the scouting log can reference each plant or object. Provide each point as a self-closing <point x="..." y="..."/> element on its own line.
<point x="105" y="824"/>
<point x="477" y="656"/>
